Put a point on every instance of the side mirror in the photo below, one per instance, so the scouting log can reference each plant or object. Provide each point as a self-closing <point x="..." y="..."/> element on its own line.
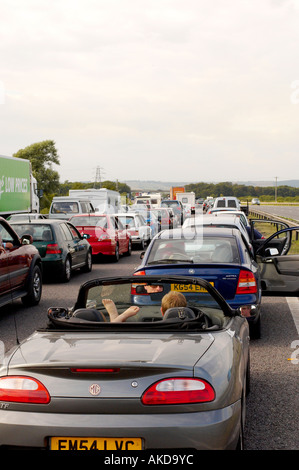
<point x="247" y="310"/>
<point x="86" y="236"/>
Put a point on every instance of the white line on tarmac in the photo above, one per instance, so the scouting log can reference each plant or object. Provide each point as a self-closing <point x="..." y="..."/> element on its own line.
<point x="293" y="303"/>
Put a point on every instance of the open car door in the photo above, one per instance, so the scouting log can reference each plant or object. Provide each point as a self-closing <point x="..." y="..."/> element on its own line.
<point x="278" y="259"/>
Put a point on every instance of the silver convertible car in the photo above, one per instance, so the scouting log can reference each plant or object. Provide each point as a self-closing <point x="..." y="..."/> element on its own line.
<point x="137" y="364"/>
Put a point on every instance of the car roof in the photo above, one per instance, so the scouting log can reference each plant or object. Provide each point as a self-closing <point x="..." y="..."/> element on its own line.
<point x="231" y="211"/>
<point x="211" y="219"/>
<point x="186" y="232"/>
<point x="90" y="214"/>
<point x="38" y="222"/>
<point x="130" y="214"/>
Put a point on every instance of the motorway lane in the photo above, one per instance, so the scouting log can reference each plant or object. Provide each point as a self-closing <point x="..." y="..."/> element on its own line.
<point x="288" y="212"/>
<point x="272" y="405"/>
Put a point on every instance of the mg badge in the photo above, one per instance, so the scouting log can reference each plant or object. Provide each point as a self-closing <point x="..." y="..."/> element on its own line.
<point x="191" y="271"/>
<point x="94" y="390"/>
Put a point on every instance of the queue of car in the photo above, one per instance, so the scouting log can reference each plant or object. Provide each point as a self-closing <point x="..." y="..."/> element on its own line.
<point x="171" y="375"/>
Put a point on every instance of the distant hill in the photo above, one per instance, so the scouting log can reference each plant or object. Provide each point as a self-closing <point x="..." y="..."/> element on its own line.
<point x="136" y="185"/>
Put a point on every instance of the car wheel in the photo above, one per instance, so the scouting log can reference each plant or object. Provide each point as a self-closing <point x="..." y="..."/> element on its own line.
<point x="116" y="254"/>
<point x="129" y="251"/>
<point x="67" y="269"/>
<point x="88" y="266"/>
<point x="255" y="329"/>
<point x="34" y="288"/>
<point x="142" y="244"/>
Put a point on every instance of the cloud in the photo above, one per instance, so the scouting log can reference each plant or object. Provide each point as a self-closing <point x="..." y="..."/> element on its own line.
<point x="163" y="88"/>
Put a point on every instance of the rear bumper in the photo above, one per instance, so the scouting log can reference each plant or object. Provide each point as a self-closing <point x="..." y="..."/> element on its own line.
<point x="103" y="248"/>
<point x="206" y="430"/>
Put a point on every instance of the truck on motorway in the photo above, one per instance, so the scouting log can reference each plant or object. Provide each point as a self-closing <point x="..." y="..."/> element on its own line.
<point x="154" y="199"/>
<point x="105" y="201"/>
<point x="174" y="190"/>
<point x="186" y="198"/>
<point x="18" y="187"/>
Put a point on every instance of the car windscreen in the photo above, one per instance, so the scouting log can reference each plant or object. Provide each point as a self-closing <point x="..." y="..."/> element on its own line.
<point x="39" y="232"/>
<point x="89" y="221"/>
<point x="195" y="250"/>
<point x="172" y="204"/>
<point x="127" y="220"/>
<point x="231" y="203"/>
<point x="146" y="303"/>
<point x="64" y="207"/>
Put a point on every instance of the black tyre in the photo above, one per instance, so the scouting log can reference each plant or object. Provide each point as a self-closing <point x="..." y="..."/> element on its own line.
<point x="116" y="254"/>
<point x="67" y="270"/>
<point x="255" y="329"/>
<point x="129" y="252"/>
<point x="88" y="266"/>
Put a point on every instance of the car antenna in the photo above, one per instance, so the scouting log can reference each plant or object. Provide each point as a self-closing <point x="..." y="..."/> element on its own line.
<point x="16" y="328"/>
<point x="10" y="308"/>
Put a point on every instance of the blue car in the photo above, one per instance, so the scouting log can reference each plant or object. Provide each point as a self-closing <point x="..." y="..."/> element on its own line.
<point x="220" y="256"/>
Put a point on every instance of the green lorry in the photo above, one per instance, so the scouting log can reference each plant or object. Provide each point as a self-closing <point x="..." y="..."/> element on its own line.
<point x="18" y="188"/>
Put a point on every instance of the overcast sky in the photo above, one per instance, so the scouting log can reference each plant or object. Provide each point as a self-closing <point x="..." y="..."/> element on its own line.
<point x="166" y="90"/>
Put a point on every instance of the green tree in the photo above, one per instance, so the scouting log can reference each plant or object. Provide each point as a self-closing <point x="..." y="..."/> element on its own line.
<point x="42" y="155"/>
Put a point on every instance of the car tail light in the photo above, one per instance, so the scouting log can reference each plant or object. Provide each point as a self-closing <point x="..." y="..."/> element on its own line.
<point x="53" y="249"/>
<point x="139" y="273"/>
<point x="23" y="390"/>
<point x="246" y="283"/>
<point x="178" y="391"/>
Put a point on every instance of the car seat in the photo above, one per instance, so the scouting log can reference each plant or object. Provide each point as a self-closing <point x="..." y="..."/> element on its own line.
<point x="89" y="314"/>
<point x="222" y="254"/>
<point x="182" y="313"/>
<point x="47" y="235"/>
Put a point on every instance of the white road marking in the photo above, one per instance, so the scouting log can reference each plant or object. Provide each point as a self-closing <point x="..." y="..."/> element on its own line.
<point x="293" y="303"/>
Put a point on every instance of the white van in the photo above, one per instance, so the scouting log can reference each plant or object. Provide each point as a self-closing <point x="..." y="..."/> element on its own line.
<point x="105" y="201"/>
<point x="64" y="207"/>
<point x="227" y="202"/>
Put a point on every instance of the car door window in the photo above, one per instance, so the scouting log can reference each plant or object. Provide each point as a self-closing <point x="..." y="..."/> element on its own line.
<point x="266" y="227"/>
<point x="6" y="236"/>
<point x="18" y="259"/>
<point x="280" y="267"/>
<point x="74" y="232"/>
<point x="262" y="230"/>
<point x="65" y="232"/>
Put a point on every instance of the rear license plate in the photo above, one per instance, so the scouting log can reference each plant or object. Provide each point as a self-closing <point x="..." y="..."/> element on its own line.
<point x="95" y="443"/>
<point x="189" y="288"/>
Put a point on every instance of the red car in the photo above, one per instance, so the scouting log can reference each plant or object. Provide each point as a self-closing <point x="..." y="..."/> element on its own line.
<point x="107" y="235"/>
<point x="20" y="267"/>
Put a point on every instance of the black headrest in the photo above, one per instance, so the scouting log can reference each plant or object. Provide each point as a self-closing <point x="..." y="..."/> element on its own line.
<point x="182" y="313"/>
<point x="89" y="314"/>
